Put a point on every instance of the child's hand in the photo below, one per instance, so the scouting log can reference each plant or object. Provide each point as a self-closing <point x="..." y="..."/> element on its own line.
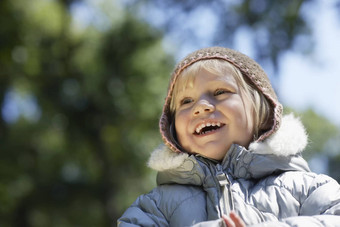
<point x="233" y="220"/>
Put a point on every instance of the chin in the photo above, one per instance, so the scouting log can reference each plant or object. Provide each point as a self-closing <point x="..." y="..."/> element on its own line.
<point x="218" y="155"/>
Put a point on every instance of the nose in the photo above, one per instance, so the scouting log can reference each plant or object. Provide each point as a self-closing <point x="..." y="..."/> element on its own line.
<point x="203" y="106"/>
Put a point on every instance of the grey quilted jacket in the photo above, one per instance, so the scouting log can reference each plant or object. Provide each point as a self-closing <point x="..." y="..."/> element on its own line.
<point x="269" y="184"/>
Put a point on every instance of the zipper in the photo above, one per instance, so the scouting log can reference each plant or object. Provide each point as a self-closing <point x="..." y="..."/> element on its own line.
<point x="226" y="202"/>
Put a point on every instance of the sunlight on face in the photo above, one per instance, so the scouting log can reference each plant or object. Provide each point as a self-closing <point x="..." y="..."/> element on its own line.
<point x="212" y="114"/>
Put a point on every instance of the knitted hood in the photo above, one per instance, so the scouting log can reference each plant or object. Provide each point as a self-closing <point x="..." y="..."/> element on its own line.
<point x="248" y="67"/>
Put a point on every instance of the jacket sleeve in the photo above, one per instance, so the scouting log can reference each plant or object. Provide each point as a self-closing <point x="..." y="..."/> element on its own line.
<point x="143" y="212"/>
<point x="320" y="206"/>
<point x="167" y="205"/>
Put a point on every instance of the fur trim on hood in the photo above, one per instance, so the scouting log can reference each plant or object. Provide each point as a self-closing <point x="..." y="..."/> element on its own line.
<point x="290" y="139"/>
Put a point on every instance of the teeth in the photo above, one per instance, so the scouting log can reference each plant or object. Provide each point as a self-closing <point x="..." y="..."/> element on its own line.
<point x="197" y="130"/>
<point x="201" y="126"/>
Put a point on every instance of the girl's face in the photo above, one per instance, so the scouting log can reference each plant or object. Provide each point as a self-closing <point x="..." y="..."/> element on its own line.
<point x="211" y="115"/>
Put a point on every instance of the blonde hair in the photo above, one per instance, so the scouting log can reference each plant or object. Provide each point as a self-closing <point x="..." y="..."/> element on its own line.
<point x="260" y="105"/>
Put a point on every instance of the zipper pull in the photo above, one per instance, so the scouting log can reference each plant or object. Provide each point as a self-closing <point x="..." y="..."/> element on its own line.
<point x="221" y="176"/>
<point x="226" y="203"/>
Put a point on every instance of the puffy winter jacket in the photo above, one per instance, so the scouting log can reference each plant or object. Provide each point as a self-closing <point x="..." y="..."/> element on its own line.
<point x="268" y="185"/>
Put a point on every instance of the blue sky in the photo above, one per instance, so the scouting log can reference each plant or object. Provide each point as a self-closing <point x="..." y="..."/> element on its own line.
<point x="314" y="81"/>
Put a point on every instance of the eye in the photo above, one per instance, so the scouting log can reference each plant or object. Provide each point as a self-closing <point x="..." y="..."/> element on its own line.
<point x="220" y="92"/>
<point x="186" y="101"/>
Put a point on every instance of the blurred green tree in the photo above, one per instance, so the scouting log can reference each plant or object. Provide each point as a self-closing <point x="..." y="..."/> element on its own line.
<point x="323" y="140"/>
<point x="79" y="114"/>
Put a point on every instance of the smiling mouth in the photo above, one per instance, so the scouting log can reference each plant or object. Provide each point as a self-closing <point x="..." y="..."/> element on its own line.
<point x="207" y="128"/>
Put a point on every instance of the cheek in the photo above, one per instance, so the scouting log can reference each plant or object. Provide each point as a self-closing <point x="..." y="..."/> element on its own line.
<point x="180" y="124"/>
<point x="242" y="114"/>
<point x="236" y="110"/>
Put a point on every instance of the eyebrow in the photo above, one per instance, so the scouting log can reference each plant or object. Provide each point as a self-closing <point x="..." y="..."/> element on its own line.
<point x="216" y="82"/>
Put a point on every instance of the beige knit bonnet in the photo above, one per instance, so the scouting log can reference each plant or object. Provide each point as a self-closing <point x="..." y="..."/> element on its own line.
<point x="248" y="68"/>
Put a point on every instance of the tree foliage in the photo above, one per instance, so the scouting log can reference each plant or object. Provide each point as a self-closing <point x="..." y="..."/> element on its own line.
<point x="321" y="132"/>
<point x="78" y="159"/>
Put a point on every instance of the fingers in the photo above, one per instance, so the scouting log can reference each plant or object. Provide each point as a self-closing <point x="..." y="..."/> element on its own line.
<point x="228" y="221"/>
<point x="237" y="220"/>
<point x="233" y="220"/>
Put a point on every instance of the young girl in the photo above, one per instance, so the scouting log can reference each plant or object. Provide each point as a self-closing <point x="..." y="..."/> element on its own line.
<point x="230" y="158"/>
